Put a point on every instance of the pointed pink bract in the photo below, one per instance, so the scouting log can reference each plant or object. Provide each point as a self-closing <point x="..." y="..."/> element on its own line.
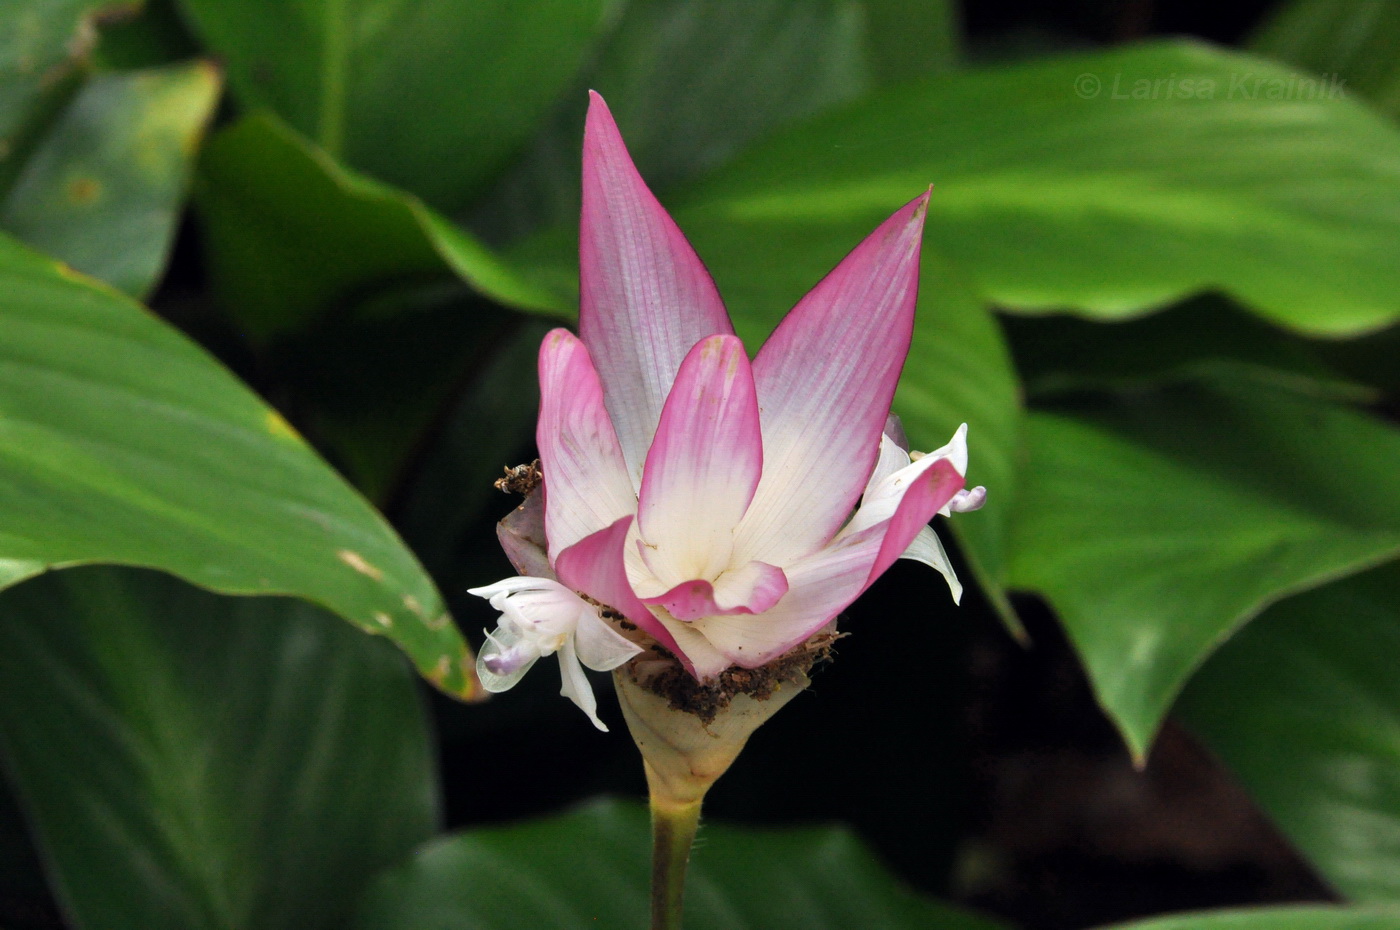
<point x="703" y="465"/>
<point x="825" y="583"/>
<point x="825" y="379"/>
<point x="644" y="297"/>
<point x="579" y="454"/>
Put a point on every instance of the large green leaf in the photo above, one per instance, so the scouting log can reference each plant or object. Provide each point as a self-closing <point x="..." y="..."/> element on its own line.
<point x="590" y="868"/>
<point x="490" y="424"/>
<point x="1156" y="523"/>
<point x="122" y="441"/>
<point x="432" y="97"/>
<point x="371" y="386"/>
<point x="1304" y="706"/>
<point x="104" y="187"/>
<point x="195" y="762"/>
<point x="1353" y="45"/>
<point x="291" y="233"/>
<point x="1315" y="917"/>
<point x="1054" y="194"/>
<point x="668" y="72"/>
<point x="912" y="38"/>
<point x="1062" y="353"/>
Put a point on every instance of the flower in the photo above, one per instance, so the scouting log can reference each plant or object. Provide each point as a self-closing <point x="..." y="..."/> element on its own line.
<point x="727" y="509"/>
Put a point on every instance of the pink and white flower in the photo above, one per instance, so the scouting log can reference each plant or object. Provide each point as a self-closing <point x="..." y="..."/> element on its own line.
<point x="729" y="509"/>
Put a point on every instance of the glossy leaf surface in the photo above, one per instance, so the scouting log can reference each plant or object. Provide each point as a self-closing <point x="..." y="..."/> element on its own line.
<point x="104" y="188"/>
<point x="122" y="441"/>
<point x="1108" y="183"/>
<point x="197" y="762"/>
<point x="590" y="866"/>
<point x="292" y="233"/>
<point x="1304" y="706"/>
<point x="1157" y="523"/>
<point x="432" y="97"/>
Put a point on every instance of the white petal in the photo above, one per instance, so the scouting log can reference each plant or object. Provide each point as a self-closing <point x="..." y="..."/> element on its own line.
<point x="880" y="502"/>
<point x="928" y="549"/>
<point x="505" y="640"/>
<point x="892" y="459"/>
<point x="707" y="661"/>
<point x="703" y="465"/>
<point x="968" y="501"/>
<point x="956" y="449"/>
<point x="508" y="586"/>
<point x="549" y="613"/>
<point x="823" y="584"/>
<point x="575" y="684"/>
<point x="586" y="483"/>
<point x="824" y="380"/>
<point x="600" y="647"/>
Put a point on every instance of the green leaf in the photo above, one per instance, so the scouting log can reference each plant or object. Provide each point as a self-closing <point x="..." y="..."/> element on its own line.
<point x="912" y="38"/>
<point x="491" y="424"/>
<point x="1157" y="523"/>
<point x="102" y="190"/>
<point x="668" y="73"/>
<point x="290" y="233"/>
<point x="150" y="36"/>
<point x="1314" y="917"/>
<point x="433" y="97"/>
<point x="370" y="386"/>
<point x="1351" y="44"/>
<point x="1061" y="354"/>
<point x="195" y="762"/>
<point x="1106" y="205"/>
<point x="122" y="441"/>
<point x="590" y="867"/>
<point x="39" y="44"/>
<point x="1304" y="706"/>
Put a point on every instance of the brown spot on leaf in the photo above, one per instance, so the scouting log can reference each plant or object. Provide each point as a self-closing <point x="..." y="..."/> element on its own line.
<point x="84" y="190"/>
<point x="360" y="564"/>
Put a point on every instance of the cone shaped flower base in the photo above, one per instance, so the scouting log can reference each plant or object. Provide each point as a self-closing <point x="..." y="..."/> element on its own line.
<point x="689" y="734"/>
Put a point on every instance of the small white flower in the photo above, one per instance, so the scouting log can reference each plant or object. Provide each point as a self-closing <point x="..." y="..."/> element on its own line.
<point x="541" y="617"/>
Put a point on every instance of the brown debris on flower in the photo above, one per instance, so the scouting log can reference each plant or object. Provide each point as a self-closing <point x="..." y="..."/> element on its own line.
<point x="705" y="700"/>
<point x="520" y="479"/>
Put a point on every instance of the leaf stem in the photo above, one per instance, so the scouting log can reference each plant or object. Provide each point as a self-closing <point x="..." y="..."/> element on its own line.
<point x="673" y="826"/>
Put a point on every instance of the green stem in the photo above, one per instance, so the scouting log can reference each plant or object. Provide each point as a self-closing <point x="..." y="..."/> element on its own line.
<point x="673" y="825"/>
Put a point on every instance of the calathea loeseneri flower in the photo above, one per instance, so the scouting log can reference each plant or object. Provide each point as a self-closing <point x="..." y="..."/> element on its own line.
<point x="728" y="510"/>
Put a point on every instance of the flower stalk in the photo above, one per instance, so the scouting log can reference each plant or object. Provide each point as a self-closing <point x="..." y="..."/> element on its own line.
<point x="673" y="826"/>
<point x="689" y="734"/>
